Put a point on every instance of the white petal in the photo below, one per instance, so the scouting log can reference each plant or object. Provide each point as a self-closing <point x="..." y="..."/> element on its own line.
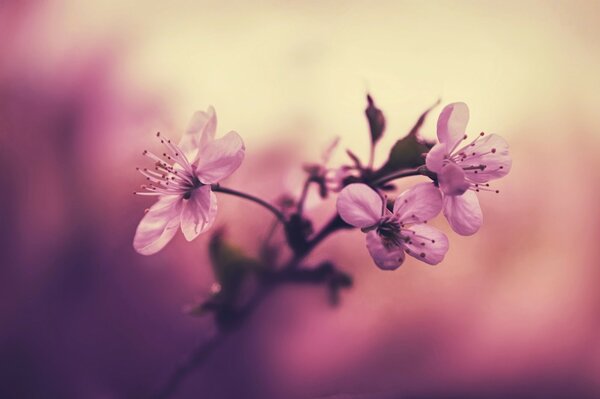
<point x="452" y="124"/>
<point x="427" y="244"/>
<point x="435" y="157"/>
<point x="452" y="180"/>
<point x="463" y="213"/>
<point x="200" y="132"/>
<point x="198" y="212"/>
<point x="385" y="258"/>
<point x="497" y="163"/>
<point x="220" y="158"/>
<point x="158" y="226"/>
<point x="359" y="205"/>
<point x="421" y="202"/>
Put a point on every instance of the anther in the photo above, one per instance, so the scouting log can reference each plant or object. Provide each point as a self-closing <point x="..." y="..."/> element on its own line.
<point x="482" y="133"/>
<point x="493" y="150"/>
<point x="422" y="255"/>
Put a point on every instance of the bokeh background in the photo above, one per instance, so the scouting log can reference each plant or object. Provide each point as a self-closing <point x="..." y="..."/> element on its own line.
<point x="513" y="311"/>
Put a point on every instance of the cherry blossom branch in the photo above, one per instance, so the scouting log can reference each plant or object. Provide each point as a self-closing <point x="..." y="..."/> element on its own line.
<point x="219" y="189"/>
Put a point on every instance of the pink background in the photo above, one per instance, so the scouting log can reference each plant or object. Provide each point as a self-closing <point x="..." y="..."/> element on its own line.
<point x="513" y="311"/>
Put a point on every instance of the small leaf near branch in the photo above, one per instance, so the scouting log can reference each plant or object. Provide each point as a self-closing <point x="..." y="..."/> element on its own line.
<point x="376" y="120"/>
<point x="408" y="151"/>
<point x="231" y="267"/>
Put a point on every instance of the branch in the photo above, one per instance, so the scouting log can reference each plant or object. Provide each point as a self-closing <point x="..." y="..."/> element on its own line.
<point x="194" y="360"/>
<point x="422" y="170"/>
<point x="286" y="275"/>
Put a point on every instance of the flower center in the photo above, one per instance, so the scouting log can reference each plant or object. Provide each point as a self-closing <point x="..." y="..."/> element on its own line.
<point x="389" y="231"/>
<point x="196" y="183"/>
<point x="172" y="175"/>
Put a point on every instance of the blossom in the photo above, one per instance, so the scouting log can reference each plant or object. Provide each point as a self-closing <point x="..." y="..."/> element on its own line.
<point x="182" y="180"/>
<point x="465" y="169"/>
<point x="391" y="234"/>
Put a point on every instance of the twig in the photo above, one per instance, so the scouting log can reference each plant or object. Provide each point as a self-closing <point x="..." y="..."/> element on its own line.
<point x="200" y="354"/>
<point x="219" y="189"/>
<point x="191" y="363"/>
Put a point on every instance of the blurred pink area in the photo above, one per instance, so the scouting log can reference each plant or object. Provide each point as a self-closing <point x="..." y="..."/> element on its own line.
<point x="513" y="311"/>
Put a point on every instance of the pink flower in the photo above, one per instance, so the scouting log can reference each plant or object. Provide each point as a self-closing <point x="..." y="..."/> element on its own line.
<point x="391" y="234"/>
<point x="182" y="181"/>
<point x="464" y="170"/>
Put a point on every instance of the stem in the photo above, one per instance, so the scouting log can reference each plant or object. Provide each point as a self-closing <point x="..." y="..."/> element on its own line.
<point x="218" y="189"/>
<point x="371" y="156"/>
<point x="404" y="173"/>
<point x="335" y="223"/>
<point x="302" y="198"/>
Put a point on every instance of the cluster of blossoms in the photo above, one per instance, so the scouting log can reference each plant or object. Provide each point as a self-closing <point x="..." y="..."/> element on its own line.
<point x="460" y="172"/>
<point x="186" y="175"/>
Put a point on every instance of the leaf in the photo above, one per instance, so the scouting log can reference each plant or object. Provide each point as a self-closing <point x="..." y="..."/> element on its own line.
<point x="376" y="120"/>
<point x="408" y="151"/>
<point x="231" y="266"/>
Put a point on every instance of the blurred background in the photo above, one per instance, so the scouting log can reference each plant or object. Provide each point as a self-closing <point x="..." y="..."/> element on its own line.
<point x="513" y="311"/>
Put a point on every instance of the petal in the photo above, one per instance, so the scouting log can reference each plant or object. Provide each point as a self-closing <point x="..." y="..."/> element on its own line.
<point x="359" y="205"/>
<point x="419" y="203"/>
<point x="463" y="213"/>
<point x="452" y="124"/>
<point x="158" y="226"/>
<point x="385" y="258"/>
<point x="200" y="132"/>
<point x="198" y="212"/>
<point x="435" y="157"/>
<point x="427" y="244"/>
<point x="452" y="180"/>
<point x="220" y="158"/>
<point x="491" y="151"/>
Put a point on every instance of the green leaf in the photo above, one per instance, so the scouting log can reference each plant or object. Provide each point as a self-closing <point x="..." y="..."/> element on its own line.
<point x="231" y="266"/>
<point x="408" y="151"/>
